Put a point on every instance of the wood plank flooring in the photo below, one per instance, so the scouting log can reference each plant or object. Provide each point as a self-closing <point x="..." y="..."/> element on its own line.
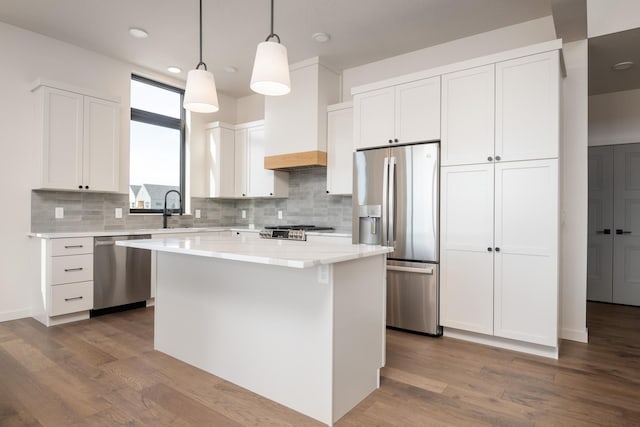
<point x="104" y="372"/>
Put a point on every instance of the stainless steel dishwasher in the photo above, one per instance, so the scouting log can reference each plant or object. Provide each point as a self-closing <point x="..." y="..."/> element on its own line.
<point x="121" y="276"/>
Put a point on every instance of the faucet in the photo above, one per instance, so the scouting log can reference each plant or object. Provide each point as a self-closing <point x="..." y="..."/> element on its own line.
<point x="167" y="212"/>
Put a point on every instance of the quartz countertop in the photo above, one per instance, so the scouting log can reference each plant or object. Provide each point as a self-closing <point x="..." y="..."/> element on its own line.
<point x="286" y="253"/>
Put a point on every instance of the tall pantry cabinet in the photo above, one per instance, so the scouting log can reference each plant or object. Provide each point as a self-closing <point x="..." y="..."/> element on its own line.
<point x="499" y="199"/>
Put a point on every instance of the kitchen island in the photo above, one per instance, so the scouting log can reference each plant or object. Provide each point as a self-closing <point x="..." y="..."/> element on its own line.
<point x="300" y="323"/>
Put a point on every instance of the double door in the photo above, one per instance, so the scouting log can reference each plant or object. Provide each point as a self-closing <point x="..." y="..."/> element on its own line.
<point x="613" y="269"/>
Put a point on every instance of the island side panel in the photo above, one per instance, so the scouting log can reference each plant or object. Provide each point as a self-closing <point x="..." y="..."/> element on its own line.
<point x="262" y="327"/>
<point x="359" y="288"/>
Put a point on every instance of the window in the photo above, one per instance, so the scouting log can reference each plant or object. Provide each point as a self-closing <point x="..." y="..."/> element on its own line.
<point x="157" y="146"/>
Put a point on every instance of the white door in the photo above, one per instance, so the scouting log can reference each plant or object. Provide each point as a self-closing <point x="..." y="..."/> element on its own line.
<point x="101" y="153"/>
<point x="600" y="229"/>
<point x="63" y="135"/>
<point x="527" y="107"/>
<point x="526" y="251"/>
<point x="374" y="116"/>
<point x="626" y="246"/>
<point x="259" y="180"/>
<point x="220" y="164"/>
<point x="466" y="254"/>
<point x="417" y="115"/>
<point x="468" y="116"/>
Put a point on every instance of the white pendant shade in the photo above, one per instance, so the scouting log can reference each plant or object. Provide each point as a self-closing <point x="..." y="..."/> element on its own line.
<point x="271" y="70"/>
<point x="200" y="94"/>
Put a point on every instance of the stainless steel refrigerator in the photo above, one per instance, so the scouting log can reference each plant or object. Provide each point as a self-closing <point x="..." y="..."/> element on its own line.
<point x="396" y="203"/>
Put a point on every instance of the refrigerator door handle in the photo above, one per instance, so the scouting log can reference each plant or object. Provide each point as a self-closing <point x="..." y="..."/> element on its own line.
<point x="410" y="269"/>
<point x="392" y="201"/>
<point x="385" y="194"/>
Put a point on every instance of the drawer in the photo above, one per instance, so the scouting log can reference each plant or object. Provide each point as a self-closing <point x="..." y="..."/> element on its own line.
<point x="72" y="246"/>
<point x="72" y="268"/>
<point x="71" y="298"/>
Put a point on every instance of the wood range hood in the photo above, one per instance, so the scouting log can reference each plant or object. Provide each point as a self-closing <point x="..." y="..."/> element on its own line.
<point x="296" y="160"/>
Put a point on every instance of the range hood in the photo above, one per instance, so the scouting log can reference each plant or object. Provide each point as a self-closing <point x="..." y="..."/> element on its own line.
<point x="296" y="124"/>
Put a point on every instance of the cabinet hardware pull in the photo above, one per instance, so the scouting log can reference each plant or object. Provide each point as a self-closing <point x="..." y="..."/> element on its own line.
<point x="390" y="141"/>
<point x="490" y="158"/>
<point x="73" y="299"/>
<point x="619" y="231"/>
<point x="410" y="269"/>
<point x="498" y="158"/>
<point x="489" y="249"/>
<point x="80" y="187"/>
<point x="605" y="231"/>
<point x="395" y="140"/>
<point x="74" y="269"/>
<point x="497" y="249"/>
<point x="73" y="246"/>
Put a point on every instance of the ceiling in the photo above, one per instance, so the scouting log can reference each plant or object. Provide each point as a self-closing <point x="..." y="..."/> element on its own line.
<point x="361" y="31"/>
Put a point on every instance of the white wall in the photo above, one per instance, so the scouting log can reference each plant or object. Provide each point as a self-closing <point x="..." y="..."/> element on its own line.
<point x="573" y="255"/>
<point x="250" y="108"/>
<point x="511" y="37"/>
<point x="611" y="16"/>
<point x="614" y="118"/>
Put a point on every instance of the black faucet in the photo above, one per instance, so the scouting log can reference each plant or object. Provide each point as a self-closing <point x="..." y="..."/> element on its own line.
<point x="167" y="212"/>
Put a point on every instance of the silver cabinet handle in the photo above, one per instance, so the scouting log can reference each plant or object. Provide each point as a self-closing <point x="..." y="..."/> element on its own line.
<point x="385" y="206"/>
<point x="73" y="299"/>
<point x="410" y="269"/>
<point x="105" y="243"/>
<point x="74" y="269"/>
<point x="73" y="246"/>
<point x="392" y="201"/>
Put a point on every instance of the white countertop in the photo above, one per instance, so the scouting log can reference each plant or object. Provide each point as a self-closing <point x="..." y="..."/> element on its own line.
<point x="286" y="253"/>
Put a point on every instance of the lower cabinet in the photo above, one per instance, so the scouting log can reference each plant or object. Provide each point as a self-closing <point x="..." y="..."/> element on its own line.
<point x="499" y="254"/>
<point x="66" y="292"/>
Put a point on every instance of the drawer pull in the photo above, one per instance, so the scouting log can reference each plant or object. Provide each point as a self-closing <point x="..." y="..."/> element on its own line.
<point x="73" y="269"/>
<point x="73" y="299"/>
<point x="73" y="246"/>
<point x="410" y="269"/>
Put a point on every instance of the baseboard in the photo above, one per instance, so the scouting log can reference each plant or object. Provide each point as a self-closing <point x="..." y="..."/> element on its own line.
<point x="575" y="335"/>
<point x="14" y="315"/>
<point x="508" y="344"/>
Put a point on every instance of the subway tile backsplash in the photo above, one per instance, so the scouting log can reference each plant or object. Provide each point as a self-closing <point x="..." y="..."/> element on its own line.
<point x="308" y="203"/>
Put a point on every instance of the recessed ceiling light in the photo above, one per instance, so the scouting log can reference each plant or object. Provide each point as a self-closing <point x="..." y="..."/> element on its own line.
<point x="174" y="70"/>
<point x="321" y="37"/>
<point x="621" y="66"/>
<point x="231" y="69"/>
<point x="138" y="33"/>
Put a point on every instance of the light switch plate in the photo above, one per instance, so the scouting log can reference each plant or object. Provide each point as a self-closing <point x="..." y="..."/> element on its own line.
<point x="118" y="213"/>
<point x="244" y="213"/>
<point x="279" y="214"/>
<point x="197" y="213"/>
<point x="59" y="213"/>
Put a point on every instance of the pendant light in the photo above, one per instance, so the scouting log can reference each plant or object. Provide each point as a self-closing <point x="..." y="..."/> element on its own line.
<point x="200" y="94"/>
<point x="271" y="66"/>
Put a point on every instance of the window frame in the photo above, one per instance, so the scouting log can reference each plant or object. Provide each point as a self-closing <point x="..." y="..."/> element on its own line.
<point x="156" y="119"/>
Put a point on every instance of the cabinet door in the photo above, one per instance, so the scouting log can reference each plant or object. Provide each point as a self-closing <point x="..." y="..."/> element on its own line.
<point x="259" y="180"/>
<point x="527" y="107"/>
<point x="374" y="118"/>
<point x="466" y="255"/>
<point x="62" y="139"/>
<point x="101" y="145"/>
<point x="220" y="165"/>
<point x="468" y="116"/>
<point x="340" y="151"/>
<point x="526" y="266"/>
<point x="240" y="157"/>
<point x="417" y="115"/>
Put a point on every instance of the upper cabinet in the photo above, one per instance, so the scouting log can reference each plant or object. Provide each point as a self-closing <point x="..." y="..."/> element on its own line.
<point x="340" y="148"/>
<point x="235" y="163"/>
<point x="527" y="107"/>
<point x="399" y="114"/>
<point x="468" y="114"/>
<point x="79" y="140"/>
<point x="296" y="124"/>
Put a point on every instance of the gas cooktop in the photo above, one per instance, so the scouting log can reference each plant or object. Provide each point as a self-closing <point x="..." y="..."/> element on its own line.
<point x="290" y="232"/>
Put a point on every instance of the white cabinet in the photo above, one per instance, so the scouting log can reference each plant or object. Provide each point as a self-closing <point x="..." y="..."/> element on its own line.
<point x="66" y="292"/>
<point x="220" y="160"/>
<point x="251" y="178"/>
<point x="499" y="254"/>
<point x="527" y="107"/>
<point x="468" y="111"/>
<point x="79" y="140"/>
<point x="340" y="148"/>
<point x="399" y="114"/>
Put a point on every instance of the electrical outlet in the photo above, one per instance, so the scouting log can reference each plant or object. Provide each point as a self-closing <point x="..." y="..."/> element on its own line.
<point x="118" y="213"/>
<point x="197" y="213"/>
<point x="279" y="214"/>
<point x="244" y="213"/>
<point x="59" y="213"/>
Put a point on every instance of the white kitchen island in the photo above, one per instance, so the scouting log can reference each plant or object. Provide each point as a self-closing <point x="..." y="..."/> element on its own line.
<point x="300" y="323"/>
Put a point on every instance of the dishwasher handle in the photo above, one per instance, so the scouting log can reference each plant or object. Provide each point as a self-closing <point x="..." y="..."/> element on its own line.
<point x="410" y="269"/>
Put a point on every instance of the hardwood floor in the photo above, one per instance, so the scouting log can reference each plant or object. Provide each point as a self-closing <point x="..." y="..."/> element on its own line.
<point x="104" y="371"/>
